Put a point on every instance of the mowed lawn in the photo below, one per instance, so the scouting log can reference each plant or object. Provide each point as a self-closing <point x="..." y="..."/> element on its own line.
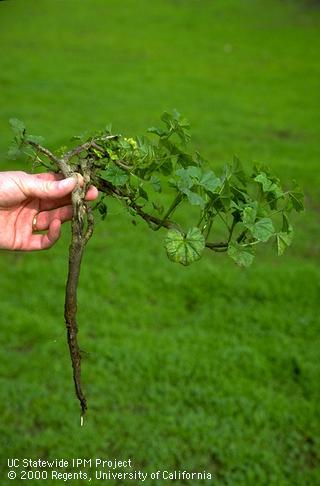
<point x="209" y="367"/>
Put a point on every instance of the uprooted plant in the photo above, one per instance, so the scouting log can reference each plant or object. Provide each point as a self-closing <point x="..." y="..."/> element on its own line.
<point x="253" y="208"/>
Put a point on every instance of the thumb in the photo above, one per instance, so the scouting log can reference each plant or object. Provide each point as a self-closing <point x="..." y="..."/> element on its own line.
<point x="43" y="189"/>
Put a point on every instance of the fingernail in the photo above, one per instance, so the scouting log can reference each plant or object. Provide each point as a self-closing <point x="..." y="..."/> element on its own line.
<point x="79" y="178"/>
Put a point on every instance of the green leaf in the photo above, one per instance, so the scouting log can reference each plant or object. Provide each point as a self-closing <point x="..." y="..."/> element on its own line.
<point x="167" y="118"/>
<point x="18" y="127"/>
<point x="242" y="255"/>
<point x="103" y="210"/>
<point x="193" y="176"/>
<point x="237" y="170"/>
<point x="249" y="215"/>
<point x="145" y="150"/>
<point x="82" y="138"/>
<point x="99" y="154"/>
<point x="184" y="249"/>
<point x="209" y="181"/>
<point x="268" y="185"/>
<point x="108" y="129"/>
<point x="194" y="198"/>
<point x="115" y="175"/>
<point x="124" y="144"/>
<point x="184" y="180"/>
<point x="284" y="237"/>
<point x="156" y="183"/>
<point x="14" y="150"/>
<point x="262" y="229"/>
<point x="143" y="193"/>
<point x="158" y="131"/>
<point x="297" y="198"/>
<point x="184" y="159"/>
<point x="225" y="194"/>
<point x="34" y="138"/>
<point x="286" y="226"/>
<point x="177" y="155"/>
<point x="199" y="159"/>
<point x="194" y="172"/>
<point x="166" y="167"/>
<point x="283" y="241"/>
<point x="176" y="124"/>
<point x="19" y="130"/>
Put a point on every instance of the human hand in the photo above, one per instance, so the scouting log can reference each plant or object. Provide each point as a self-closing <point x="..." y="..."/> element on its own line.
<point x="25" y="196"/>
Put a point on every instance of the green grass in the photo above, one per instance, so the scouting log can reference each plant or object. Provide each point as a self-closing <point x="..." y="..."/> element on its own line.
<point x="203" y="368"/>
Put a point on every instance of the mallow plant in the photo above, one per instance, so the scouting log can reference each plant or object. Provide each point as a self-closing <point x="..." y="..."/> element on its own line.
<point x="141" y="172"/>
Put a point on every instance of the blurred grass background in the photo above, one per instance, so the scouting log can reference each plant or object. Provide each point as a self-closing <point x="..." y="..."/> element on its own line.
<point x="203" y="368"/>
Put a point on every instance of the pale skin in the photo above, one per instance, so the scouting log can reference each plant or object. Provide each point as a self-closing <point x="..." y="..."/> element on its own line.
<point x="28" y="198"/>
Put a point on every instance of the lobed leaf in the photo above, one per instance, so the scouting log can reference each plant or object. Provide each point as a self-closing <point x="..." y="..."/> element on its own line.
<point x="262" y="229"/>
<point x="269" y="185"/>
<point x="297" y="198"/>
<point x="184" y="249"/>
<point x="243" y="255"/>
<point x="115" y="175"/>
<point x="283" y="241"/>
<point x="18" y="127"/>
